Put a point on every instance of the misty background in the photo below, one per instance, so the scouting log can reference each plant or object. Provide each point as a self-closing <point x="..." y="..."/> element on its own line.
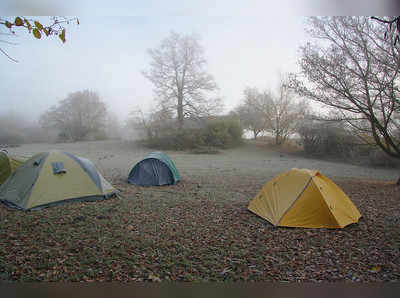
<point x="248" y="45"/>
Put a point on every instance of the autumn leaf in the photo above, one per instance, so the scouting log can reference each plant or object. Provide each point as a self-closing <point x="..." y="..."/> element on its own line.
<point x="18" y="21"/>
<point x="375" y="269"/>
<point x="28" y="25"/>
<point x="62" y="35"/>
<point x="154" y="278"/>
<point x="36" y="33"/>
<point x="38" y="25"/>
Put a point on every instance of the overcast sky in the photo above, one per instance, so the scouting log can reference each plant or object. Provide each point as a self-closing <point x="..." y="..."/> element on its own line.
<point x="246" y="44"/>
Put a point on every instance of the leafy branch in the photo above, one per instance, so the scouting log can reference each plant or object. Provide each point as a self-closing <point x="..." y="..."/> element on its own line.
<point x="55" y="28"/>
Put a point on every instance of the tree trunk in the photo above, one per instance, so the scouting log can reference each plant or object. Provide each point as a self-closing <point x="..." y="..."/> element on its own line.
<point x="255" y="134"/>
<point x="180" y="111"/>
<point x="398" y="181"/>
<point x="277" y="139"/>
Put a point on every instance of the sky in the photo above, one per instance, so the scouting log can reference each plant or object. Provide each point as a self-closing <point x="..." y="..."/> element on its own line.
<point x="247" y="44"/>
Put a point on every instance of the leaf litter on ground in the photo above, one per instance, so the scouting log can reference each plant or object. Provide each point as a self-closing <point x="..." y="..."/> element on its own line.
<point x="189" y="233"/>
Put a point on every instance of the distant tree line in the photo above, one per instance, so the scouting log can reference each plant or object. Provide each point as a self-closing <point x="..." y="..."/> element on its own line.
<point x="277" y="114"/>
<point x="82" y="115"/>
<point x="352" y="71"/>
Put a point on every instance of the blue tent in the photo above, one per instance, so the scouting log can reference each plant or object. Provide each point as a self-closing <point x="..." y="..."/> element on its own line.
<point x="155" y="169"/>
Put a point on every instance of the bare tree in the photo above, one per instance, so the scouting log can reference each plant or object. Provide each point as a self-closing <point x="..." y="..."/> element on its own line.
<point x="354" y="70"/>
<point x="155" y="124"/>
<point x="76" y="116"/>
<point x="252" y="111"/>
<point x="283" y="113"/>
<point x="180" y="81"/>
<point x="264" y="111"/>
<point x="393" y="26"/>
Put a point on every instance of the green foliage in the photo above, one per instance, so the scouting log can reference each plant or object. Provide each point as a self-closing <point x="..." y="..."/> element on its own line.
<point x="180" y="140"/>
<point x="223" y="133"/>
<point x="217" y="133"/>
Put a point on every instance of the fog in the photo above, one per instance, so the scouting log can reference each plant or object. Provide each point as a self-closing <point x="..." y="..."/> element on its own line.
<point x="245" y="45"/>
<point x="107" y="55"/>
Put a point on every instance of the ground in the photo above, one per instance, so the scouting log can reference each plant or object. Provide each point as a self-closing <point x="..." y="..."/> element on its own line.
<point x="200" y="229"/>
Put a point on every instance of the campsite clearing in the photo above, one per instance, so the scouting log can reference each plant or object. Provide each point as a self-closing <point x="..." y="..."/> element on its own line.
<point x="200" y="229"/>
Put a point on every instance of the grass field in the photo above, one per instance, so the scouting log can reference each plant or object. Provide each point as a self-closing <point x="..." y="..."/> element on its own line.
<point x="200" y="229"/>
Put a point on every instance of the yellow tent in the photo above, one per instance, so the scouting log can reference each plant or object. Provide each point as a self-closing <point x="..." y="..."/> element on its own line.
<point x="304" y="198"/>
<point x="8" y="165"/>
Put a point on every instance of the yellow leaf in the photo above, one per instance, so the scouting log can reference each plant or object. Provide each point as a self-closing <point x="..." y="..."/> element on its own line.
<point x="375" y="269"/>
<point x="62" y="35"/>
<point x="38" y="25"/>
<point x="154" y="278"/>
<point x="36" y="33"/>
<point x="46" y="31"/>
<point x="8" y="24"/>
<point x="77" y="21"/>
<point x="18" y="21"/>
<point x="28" y="24"/>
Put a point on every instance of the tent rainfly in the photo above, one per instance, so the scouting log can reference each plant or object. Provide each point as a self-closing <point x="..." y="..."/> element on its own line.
<point x="304" y="198"/>
<point x="8" y="165"/>
<point x="51" y="178"/>
<point x="155" y="169"/>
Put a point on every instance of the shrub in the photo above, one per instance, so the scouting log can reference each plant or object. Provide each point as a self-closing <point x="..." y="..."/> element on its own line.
<point x="180" y="140"/>
<point x="217" y="133"/>
<point x="223" y="133"/>
<point x="11" y="139"/>
<point x="378" y="158"/>
<point x="327" y="140"/>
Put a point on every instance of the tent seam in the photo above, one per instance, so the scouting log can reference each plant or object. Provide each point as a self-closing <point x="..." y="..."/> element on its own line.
<point x="330" y="210"/>
<point x="37" y="174"/>
<point x="298" y="197"/>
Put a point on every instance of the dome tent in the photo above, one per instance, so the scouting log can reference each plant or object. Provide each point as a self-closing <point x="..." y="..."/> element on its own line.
<point x="51" y="178"/>
<point x="8" y="165"/>
<point x="155" y="169"/>
<point x="304" y="198"/>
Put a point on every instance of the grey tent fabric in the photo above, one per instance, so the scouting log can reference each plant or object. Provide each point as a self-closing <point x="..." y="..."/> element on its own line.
<point x="149" y="172"/>
<point x="15" y="192"/>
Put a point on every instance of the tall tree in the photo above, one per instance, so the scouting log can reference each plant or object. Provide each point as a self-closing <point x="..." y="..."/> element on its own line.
<point x="354" y="70"/>
<point x="76" y="116"/>
<point x="177" y="70"/>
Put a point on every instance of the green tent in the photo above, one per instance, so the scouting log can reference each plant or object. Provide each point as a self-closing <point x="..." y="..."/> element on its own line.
<point x="49" y="178"/>
<point x="155" y="169"/>
<point x="8" y="165"/>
